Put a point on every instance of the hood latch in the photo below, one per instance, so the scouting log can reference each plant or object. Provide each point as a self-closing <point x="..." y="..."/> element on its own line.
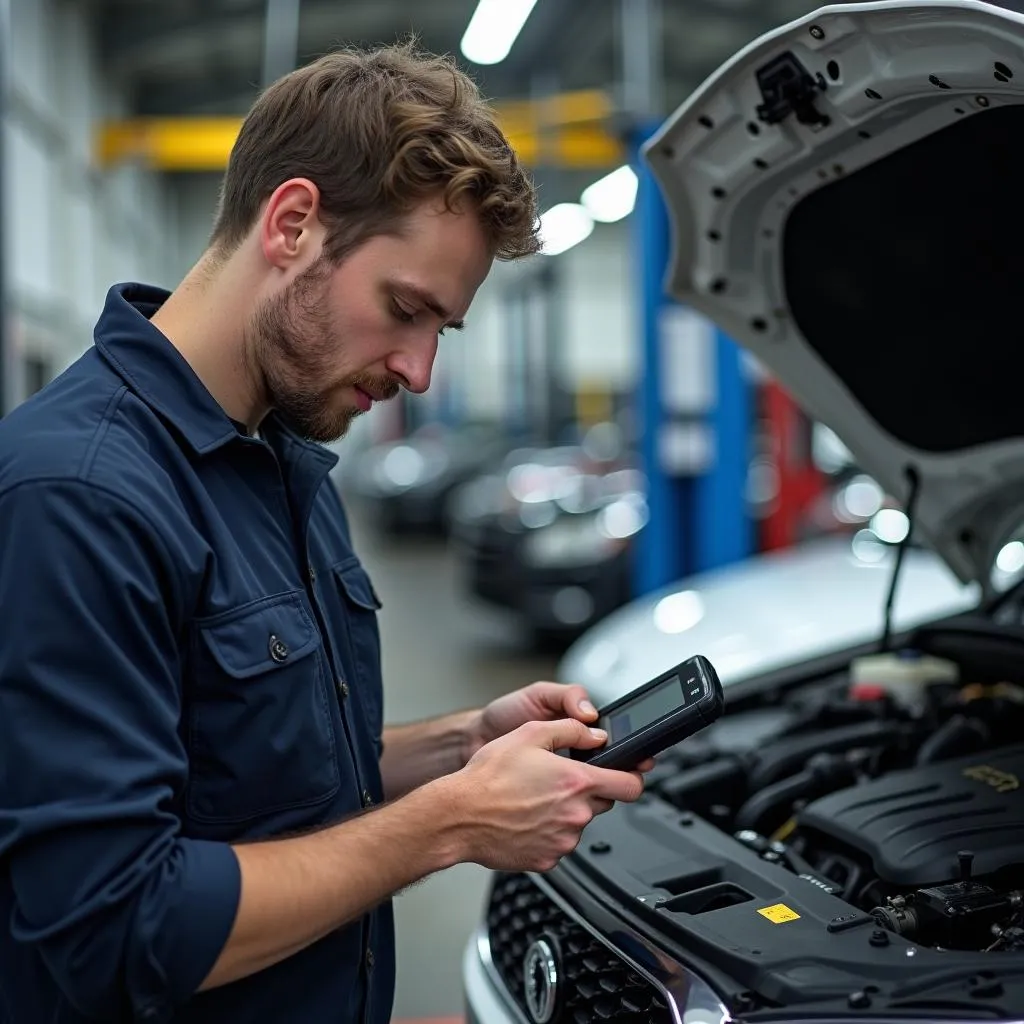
<point x="787" y="87"/>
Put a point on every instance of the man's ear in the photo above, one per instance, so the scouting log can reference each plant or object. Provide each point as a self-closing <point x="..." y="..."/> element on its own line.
<point x="291" y="233"/>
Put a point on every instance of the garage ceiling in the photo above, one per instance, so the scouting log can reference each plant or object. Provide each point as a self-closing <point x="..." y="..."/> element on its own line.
<point x="205" y="56"/>
<point x="188" y="57"/>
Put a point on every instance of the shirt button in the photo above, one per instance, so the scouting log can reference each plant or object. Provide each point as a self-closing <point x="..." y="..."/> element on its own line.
<point x="370" y="958"/>
<point x="312" y="574"/>
<point x="278" y="649"/>
<point x="367" y="799"/>
<point x="343" y="689"/>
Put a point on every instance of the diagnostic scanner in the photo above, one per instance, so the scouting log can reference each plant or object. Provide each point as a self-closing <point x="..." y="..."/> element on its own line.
<point x="657" y="715"/>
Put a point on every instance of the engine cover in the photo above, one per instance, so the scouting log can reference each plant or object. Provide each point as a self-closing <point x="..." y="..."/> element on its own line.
<point x="911" y="824"/>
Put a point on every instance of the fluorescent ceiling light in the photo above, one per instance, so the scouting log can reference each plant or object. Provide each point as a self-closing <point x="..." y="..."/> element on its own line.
<point x="613" y="196"/>
<point x="493" y="29"/>
<point x="564" y="226"/>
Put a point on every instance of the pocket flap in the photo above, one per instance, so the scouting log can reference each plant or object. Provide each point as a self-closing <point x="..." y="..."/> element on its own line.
<point x="268" y="634"/>
<point x="357" y="585"/>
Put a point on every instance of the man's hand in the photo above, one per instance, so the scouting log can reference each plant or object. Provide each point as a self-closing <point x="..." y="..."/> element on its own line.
<point x="417" y="753"/>
<point x="522" y="807"/>
<point x="539" y="702"/>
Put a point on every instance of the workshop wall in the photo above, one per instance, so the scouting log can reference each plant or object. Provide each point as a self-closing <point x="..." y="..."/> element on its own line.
<point x="74" y="229"/>
<point x="600" y="348"/>
<point x="196" y="198"/>
<point x="595" y="344"/>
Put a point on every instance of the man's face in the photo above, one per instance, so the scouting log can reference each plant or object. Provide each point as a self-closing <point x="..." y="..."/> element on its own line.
<point x="343" y="336"/>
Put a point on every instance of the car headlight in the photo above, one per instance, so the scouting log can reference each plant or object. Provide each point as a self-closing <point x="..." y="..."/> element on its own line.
<point x="571" y="541"/>
<point x="404" y="466"/>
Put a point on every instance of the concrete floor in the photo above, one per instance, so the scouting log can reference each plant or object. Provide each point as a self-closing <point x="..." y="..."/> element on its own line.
<point x="441" y="652"/>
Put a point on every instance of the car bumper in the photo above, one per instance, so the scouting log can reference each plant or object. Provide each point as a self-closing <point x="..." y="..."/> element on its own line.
<point x="485" y="996"/>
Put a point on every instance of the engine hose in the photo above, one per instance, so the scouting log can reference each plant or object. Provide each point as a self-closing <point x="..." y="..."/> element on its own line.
<point x="960" y="735"/>
<point x="821" y="774"/>
<point x="775" y="801"/>
<point x="780" y="759"/>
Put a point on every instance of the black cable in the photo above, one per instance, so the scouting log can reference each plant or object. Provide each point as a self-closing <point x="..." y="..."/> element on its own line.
<point x="915" y="481"/>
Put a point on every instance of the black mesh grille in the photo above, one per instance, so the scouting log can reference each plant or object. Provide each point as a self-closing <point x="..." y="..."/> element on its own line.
<point x="597" y="985"/>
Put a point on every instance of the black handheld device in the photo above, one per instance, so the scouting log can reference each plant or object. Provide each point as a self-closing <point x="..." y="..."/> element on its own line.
<point x="657" y="715"/>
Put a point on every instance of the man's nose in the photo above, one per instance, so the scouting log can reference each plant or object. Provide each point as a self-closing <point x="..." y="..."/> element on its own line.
<point x="413" y="365"/>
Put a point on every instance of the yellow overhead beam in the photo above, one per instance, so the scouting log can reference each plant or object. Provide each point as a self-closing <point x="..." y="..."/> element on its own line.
<point x="585" y="106"/>
<point x="566" y="130"/>
<point x="170" y="143"/>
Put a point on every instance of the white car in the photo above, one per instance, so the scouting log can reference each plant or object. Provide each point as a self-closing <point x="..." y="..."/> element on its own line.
<point x="847" y="841"/>
<point x="766" y="613"/>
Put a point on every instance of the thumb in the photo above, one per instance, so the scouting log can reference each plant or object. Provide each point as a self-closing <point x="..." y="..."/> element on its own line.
<point x="569" y="732"/>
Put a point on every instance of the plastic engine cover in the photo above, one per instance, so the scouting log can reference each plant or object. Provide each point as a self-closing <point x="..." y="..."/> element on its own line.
<point x="911" y="824"/>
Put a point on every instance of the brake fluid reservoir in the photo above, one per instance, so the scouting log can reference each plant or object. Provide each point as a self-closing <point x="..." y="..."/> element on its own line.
<point x="904" y="675"/>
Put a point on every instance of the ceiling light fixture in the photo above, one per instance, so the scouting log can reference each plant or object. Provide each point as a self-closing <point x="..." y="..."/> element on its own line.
<point x="612" y="197"/>
<point x="493" y="29"/>
<point x="564" y="226"/>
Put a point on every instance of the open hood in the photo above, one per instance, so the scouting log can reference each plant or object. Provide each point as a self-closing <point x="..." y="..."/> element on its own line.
<point x="847" y="202"/>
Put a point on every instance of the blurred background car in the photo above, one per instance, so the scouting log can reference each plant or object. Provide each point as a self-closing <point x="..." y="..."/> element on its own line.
<point x="546" y="534"/>
<point x="405" y="485"/>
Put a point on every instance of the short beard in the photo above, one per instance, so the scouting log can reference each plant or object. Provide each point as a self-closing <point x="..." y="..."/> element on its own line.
<point x="290" y="340"/>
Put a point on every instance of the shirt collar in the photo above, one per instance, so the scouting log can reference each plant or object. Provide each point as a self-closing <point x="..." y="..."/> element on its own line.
<point x="155" y="370"/>
<point x="162" y="378"/>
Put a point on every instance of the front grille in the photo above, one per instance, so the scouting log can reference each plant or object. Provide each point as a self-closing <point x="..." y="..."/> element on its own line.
<point x="596" y="984"/>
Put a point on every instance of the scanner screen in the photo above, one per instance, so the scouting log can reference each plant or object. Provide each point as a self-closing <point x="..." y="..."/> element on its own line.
<point x="665" y="698"/>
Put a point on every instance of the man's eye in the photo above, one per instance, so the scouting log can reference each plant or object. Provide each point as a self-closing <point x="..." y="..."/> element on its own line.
<point x="402" y="314"/>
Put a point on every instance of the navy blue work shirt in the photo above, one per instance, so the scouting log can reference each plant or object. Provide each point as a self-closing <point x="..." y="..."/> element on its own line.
<point x="189" y="658"/>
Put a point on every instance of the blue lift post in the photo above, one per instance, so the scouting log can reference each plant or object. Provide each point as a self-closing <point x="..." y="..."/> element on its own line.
<point x="660" y="545"/>
<point x="697" y="519"/>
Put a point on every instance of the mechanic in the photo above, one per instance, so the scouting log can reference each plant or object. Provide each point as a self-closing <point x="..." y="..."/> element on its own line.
<point x="201" y="815"/>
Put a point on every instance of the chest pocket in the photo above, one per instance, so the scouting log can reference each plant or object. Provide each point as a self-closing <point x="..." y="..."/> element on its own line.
<point x="360" y="605"/>
<point x="259" y="731"/>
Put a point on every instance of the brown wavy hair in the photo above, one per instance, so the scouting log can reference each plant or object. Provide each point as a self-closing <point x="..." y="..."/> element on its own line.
<point x="378" y="132"/>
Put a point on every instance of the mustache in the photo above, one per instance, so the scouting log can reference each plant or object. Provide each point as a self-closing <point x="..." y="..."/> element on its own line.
<point x="384" y="387"/>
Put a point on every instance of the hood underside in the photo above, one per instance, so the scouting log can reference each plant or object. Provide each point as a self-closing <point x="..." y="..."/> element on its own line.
<point x="847" y="202"/>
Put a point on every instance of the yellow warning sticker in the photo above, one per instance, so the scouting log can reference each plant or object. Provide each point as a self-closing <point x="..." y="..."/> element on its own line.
<point x="779" y="914"/>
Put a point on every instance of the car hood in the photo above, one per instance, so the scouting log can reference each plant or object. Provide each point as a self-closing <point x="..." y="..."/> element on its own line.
<point x="846" y="203"/>
<point x="765" y="613"/>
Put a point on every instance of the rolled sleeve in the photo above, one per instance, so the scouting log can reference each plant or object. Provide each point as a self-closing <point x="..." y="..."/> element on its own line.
<point x="186" y="919"/>
<point x="128" y="915"/>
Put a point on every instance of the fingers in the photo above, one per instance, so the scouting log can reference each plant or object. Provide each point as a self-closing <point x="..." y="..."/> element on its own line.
<point x="560" y="699"/>
<point x="565" y="733"/>
<point x="576" y="703"/>
<point x="624" y="787"/>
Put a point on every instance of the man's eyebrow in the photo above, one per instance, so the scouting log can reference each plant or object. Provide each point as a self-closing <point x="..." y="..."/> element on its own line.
<point x="428" y="300"/>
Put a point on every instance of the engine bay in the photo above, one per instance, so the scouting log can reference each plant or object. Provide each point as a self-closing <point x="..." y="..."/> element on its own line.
<point x="910" y="812"/>
<point x="838" y="837"/>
